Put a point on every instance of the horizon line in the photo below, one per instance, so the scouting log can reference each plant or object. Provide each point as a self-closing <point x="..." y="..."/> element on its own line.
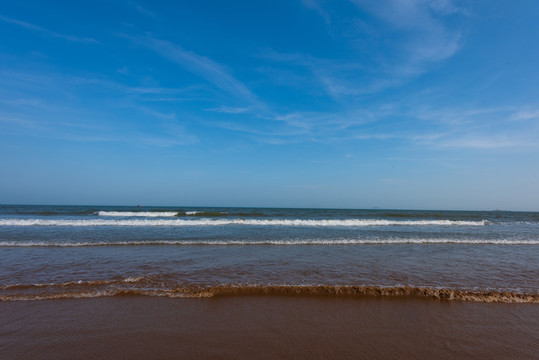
<point x="374" y="208"/>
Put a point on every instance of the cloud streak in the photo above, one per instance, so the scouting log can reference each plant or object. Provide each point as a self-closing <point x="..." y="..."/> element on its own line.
<point x="202" y="66"/>
<point x="428" y="39"/>
<point x="407" y="37"/>
<point x="141" y="9"/>
<point x="47" y="32"/>
<point x="230" y="110"/>
<point x="60" y="116"/>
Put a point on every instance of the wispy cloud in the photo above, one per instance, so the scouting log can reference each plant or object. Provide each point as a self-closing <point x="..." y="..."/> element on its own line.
<point x="19" y="122"/>
<point x="275" y="132"/>
<point x="78" y="130"/>
<point x="230" y="110"/>
<point x="481" y="143"/>
<point x="141" y="9"/>
<point x="19" y="79"/>
<point x="63" y="117"/>
<point x="338" y="78"/>
<point x="315" y="5"/>
<point x="21" y="102"/>
<point x="47" y="32"/>
<point x="299" y="127"/>
<point x="154" y="113"/>
<point x="202" y="66"/>
<point x="327" y="122"/>
<point x="416" y="120"/>
<point x="428" y="38"/>
<point x="457" y="127"/>
<point x="525" y="115"/>
<point x="414" y="35"/>
<point x="474" y="128"/>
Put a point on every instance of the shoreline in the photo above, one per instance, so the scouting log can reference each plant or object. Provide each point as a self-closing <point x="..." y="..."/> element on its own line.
<point x="267" y="327"/>
<point x="142" y="286"/>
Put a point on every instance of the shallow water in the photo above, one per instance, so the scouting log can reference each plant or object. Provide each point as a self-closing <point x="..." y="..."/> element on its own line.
<point x="76" y="251"/>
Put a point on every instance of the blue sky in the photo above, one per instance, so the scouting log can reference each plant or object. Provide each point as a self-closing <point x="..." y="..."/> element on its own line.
<point x="300" y="103"/>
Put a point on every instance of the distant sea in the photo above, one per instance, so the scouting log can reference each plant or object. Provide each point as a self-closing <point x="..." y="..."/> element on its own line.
<point x="58" y="252"/>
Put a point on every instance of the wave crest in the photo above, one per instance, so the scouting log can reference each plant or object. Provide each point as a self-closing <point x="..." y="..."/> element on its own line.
<point x="138" y="213"/>
<point x="247" y="222"/>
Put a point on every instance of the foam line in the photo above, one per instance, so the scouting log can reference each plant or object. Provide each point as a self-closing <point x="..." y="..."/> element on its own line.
<point x="248" y="222"/>
<point x="91" y="290"/>
<point x="138" y="213"/>
<point x="301" y="242"/>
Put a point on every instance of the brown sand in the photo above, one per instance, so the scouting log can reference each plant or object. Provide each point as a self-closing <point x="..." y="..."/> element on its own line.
<point x="267" y="327"/>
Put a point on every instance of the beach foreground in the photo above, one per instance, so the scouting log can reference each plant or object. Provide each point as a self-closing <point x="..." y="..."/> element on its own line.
<point x="267" y="327"/>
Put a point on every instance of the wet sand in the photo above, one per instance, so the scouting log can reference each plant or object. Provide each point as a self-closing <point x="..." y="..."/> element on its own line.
<point x="267" y="327"/>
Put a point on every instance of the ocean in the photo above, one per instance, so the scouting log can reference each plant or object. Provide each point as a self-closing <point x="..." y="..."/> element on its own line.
<point x="62" y="252"/>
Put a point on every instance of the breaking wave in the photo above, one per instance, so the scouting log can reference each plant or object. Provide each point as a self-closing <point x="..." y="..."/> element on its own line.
<point x="237" y="221"/>
<point x="140" y="286"/>
<point x="178" y="213"/>
<point x="138" y="213"/>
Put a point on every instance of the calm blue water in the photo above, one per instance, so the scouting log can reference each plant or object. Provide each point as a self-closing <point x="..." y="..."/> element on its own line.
<point x="74" y="251"/>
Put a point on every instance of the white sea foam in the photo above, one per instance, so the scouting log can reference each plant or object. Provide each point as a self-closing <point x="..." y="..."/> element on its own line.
<point x="221" y="222"/>
<point x="138" y="213"/>
<point x="295" y="242"/>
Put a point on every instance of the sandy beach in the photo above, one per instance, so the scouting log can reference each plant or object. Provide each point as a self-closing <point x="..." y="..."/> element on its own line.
<point x="267" y="327"/>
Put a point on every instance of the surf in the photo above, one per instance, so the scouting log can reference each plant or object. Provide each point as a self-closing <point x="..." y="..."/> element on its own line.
<point x="238" y="221"/>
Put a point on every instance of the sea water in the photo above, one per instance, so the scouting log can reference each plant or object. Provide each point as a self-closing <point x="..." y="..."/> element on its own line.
<point x="50" y="252"/>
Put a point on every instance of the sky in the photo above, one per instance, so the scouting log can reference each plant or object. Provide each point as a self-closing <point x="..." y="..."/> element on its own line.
<point x="410" y="104"/>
